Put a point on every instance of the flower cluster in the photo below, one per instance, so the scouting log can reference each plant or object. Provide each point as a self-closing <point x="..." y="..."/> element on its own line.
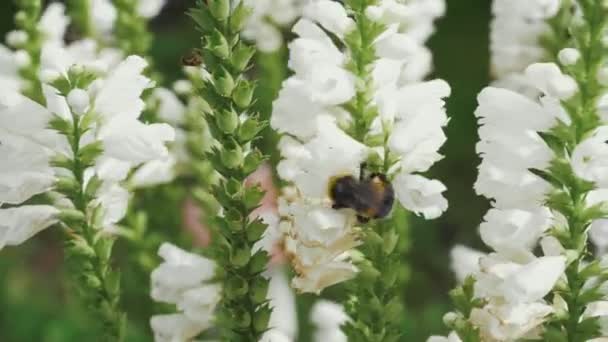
<point x="315" y="112"/>
<point x="70" y="155"/>
<point x="185" y="280"/>
<point x="541" y="166"/>
<point x="520" y="33"/>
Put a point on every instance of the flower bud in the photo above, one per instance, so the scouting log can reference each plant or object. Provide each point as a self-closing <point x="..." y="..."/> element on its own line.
<point x="259" y="290"/>
<point x="220" y="9"/>
<point x="16" y="38"/>
<point x="602" y="76"/>
<point x="22" y="58"/>
<point x="227" y="121"/>
<point x="78" y="99"/>
<point x="569" y="56"/>
<point x="232" y="158"/>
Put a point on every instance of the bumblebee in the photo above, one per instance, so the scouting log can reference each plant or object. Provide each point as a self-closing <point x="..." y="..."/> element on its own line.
<point x="371" y="197"/>
<point x="193" y="58"/>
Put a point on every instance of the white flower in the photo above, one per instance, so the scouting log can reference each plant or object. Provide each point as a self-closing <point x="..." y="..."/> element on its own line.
<point x="330" y="15"/>
<point x="28" y="171"/>
<point x="313" y="165"/>
<point x="150" y="8"/>
<point x="510" y="322"/>
<point x="415" y="17"/>
<point x="452" y="337"/>
<point x="516" y="31"/>
<point x="21" y="223"/>
<point x="267" y="19"/>
<point x="120" y="92"/>
<point x="54" y="22"/>
<point x="510" y="146"/>
<point x="9" y="70"/>
<point x="103" y="15"/>
<point x="598" y="233"/>
<point x="283" y="320"/>
<point x="589" y="157"/>
<point x="465" y="261"/>
<point x="183" y="279"/>
<point x="515" y="292"/>
<point x="328" y="317"/>
<point x="514" y="229"/>
<point x="421" y="195"/>
<point x="514" y="282"/>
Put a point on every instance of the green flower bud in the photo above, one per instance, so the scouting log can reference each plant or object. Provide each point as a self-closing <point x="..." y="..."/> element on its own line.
<point x="235" y="287"/>
<point x="261" y="319"/>
<point x="255" y="230"/>
<point x="227" y="121"/>
<point x="239" y="17"/>
<point x="218" y="45"/>
<point x="224" y="83"/>
<point x="89" y="153"/>
<point x="258" y="263"/>
<point x="62" y="161"/>
<point x="240" y="257"/>
<point x="252" y="197"/>
<point x="71" y="216"/>
<point x="253" y="160"/>
<point x="244" y="318"/>
<point x="67" y="184"/>
<point x="250" y="129"/>
<point x="241" y="55"/>
<point x="220" y="9"/>
<point x="91" y="281"/>
<point x="243" y="93"/>
<point x="259" y="290"/>
<point x="232" y="158"/>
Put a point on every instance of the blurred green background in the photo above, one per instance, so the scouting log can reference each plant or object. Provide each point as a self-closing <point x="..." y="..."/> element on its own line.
<point x="36" y="303"/>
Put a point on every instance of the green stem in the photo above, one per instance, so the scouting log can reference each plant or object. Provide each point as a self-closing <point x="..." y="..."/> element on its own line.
<point x="131" y="30"/>
<point x="376" y="303"/>
<point x="26" y="20"/>
<point x="103" y="294"/>
<point x="80" y="13"/>
<point x="243" y="311"/>
<point x="585" y="118"/>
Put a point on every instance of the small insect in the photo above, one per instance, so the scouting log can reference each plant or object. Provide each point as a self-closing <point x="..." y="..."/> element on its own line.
<point x="193" y="58"/>
<point x="372" y="196"/>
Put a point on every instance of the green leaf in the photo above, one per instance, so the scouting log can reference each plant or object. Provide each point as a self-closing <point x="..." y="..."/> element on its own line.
<point x="89" y="153"/>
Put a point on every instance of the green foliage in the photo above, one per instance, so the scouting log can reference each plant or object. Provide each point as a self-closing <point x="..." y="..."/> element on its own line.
<point x="244" y="311"/>
<point x="88" y="249"/>
<point x="131" y="30"/>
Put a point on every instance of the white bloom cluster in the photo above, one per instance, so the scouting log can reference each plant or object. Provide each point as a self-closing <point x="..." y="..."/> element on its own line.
<point x="267" y="19"/>
<point x="512" y="280"/>
<point x="183" y="279"/>
<point x="516" y="32"/>
<point x="111" y="105"/>
<point x="316" y="148"/>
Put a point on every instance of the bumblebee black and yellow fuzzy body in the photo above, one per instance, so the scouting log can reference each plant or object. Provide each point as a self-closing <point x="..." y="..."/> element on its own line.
<point x="370" y="198"/>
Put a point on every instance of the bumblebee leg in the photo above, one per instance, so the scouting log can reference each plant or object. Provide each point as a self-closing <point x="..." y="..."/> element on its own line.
<point x="362" y="219"/>
<point x="337" y="206"/>
<point x="362" y="169"/>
